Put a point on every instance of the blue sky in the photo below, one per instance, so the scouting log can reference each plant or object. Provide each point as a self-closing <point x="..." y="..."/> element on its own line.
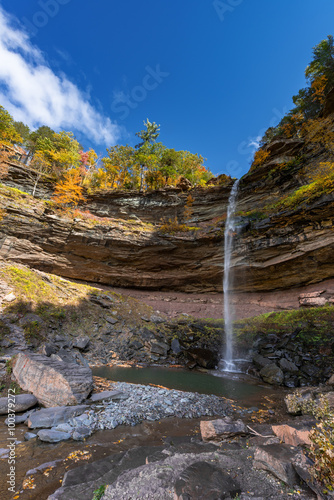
<point x="214" y="74"/>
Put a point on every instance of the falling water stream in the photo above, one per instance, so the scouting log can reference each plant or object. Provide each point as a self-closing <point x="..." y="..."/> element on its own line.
<point x="228" y="362"/>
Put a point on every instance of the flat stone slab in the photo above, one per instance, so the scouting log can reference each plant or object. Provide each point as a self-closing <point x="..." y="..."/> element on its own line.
<point x="277" y="459"/>
<point x="51" y="417"/>
<point x="204" y="480"/>
<point x="294" y="434"/>
<point x="193" y="470"/>
<point x="53" y="436"/>
<point x="53" y="382"/>
<point x="222" y="429"/>
<point x="22" y="402"/>
<point x="106" y="395"/>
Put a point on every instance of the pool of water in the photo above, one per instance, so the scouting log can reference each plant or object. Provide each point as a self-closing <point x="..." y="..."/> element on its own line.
<point x="232" y="386"/>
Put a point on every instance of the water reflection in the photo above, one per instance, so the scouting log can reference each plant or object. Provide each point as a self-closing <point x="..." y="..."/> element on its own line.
<point x="234" y="386"/>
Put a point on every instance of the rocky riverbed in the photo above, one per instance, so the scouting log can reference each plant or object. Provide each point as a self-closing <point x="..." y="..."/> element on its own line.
<point x="132" y="415"/>
<point x="125" y="404"/>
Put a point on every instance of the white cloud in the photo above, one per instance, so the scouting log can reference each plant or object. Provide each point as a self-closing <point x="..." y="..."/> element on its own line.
<point x="255" y="142"/>
<point x="34" y="94"/>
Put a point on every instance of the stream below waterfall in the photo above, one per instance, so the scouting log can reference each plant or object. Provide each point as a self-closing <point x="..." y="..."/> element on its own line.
<point x="239" y="387"/>
<point x="246" y="392"/>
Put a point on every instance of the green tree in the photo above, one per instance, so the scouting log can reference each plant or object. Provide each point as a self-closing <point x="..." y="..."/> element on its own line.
<point x="170" y="163"/>
<point x="323" y="62"/>
<point x="23" y="130"/>
<point x="35" y="138"/>
<point x="148" y="138"/>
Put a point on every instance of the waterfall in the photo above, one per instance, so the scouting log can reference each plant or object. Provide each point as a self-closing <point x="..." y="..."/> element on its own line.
<point x="228" y="247"/>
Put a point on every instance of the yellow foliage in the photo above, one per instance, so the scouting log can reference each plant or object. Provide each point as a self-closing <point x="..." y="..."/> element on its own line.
<point x="321" y="182"/>
<point x="188" y="211"/>
<point x="319" y="87"/>
<point x="173" y="226"/>
<point x="319" y="131"/>
<point x="260" y="157"/>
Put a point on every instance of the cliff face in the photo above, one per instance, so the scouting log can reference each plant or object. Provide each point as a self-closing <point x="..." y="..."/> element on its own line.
<point x="122" y="244"/>
<point x="124" y="253"/>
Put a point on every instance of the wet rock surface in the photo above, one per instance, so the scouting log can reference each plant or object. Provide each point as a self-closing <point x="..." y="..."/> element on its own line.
<point x="189" y="469"/>
<point x="19" y="402"/>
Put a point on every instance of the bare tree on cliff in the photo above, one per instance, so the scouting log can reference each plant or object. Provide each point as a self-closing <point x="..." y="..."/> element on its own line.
<point x="148" y="137"/>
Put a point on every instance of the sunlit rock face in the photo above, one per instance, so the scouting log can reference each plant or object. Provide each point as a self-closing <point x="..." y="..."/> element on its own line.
<point x="273" y="249"/>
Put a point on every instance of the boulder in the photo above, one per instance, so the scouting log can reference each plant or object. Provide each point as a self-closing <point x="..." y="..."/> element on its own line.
<point x="176" y="347"/>
<point x="331" y="380"/>
<point x="272" y="374"/>
<point x="54" y="383"/>
<point x="203" y="357"/>
<point x="22" y="402"/>
<point x="294" y="434"/>
<point x="63" y="356"/>
<point x="205" y="480"/>
<point x="302" y="465"/>
<point x="260" y="361"/>
<point x="288" y="366"/>
<point x="20" y="419"/>
<point x="53" y="436"/>
<point x="81" y="343"/>
<point x="222" y="429"/>
<point x="81" y="433"/>
<point x="277" y="459"/>
<point x="51" y="417"/>
<point x="63" y="428"/>
<point x="159" y="348"/>
<point x="48" y="349"/>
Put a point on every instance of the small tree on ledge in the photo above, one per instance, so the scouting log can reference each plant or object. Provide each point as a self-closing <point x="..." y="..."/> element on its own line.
<point x="68" y="191"/>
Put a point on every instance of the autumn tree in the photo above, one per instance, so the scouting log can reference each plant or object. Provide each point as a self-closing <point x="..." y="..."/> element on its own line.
<point x="65" y="152"/>
<point x="88" y="162"/>
<point x="69" y="191"/>
<point x="309" y="101"/>
<point x="8" y="133"/>
<point x="119" y="166"/>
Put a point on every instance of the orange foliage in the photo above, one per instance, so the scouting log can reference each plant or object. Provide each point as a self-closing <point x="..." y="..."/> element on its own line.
<point x="69" y="190"/>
